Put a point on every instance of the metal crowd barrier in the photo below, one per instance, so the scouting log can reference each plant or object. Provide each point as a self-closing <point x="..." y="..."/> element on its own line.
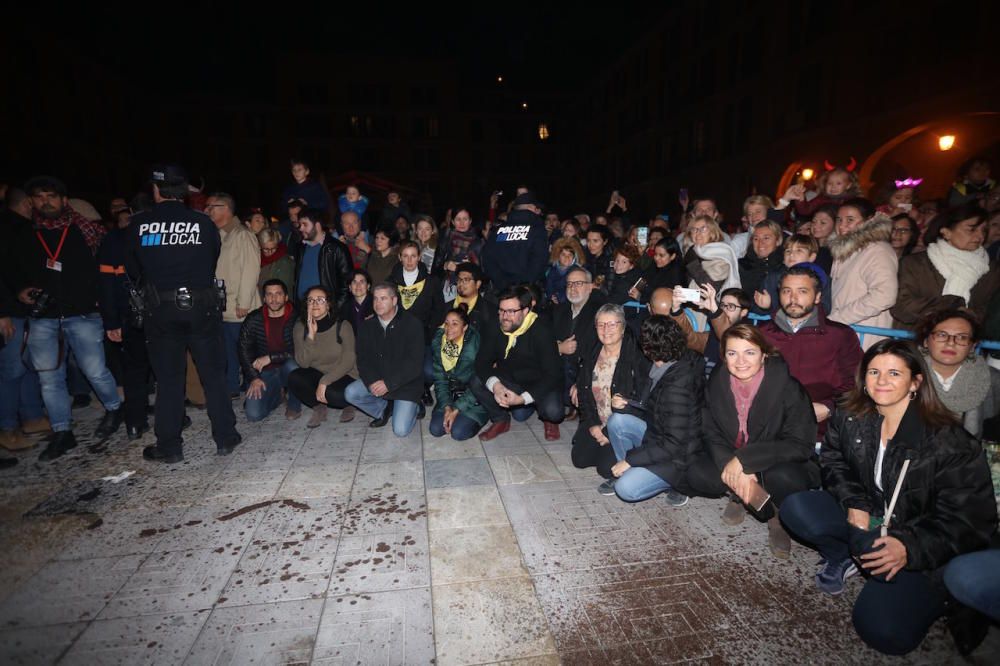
<point x="988" y="345"/>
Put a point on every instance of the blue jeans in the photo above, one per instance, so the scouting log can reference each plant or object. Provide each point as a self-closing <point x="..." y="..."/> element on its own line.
<point x="974" y="579"/>
<point x="231" y="339"/>
<point x="274" y="379"/>
<point x="404" y="412"/>
<point x="892" y="617"/>
<point x="84" y="334"/>
<point x="462" y="428"/>
<point x="20" y="393"/>
<point x="638" y="484"/>
<point x="625" y="432"/>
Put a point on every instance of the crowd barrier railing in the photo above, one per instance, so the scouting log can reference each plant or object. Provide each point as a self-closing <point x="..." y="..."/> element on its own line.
<point x="862" y="331"/>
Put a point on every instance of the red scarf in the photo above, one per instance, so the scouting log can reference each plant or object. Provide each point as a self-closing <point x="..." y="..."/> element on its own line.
<point x="92" y="232"/>
<point x="274" y="330"/>
<point x="279" y="252"/>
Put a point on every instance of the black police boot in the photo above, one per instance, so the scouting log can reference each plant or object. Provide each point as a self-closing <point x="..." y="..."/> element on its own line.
<point x="227" y="448"/>
<point x="134" y="432"/>
<point x="59" y="444"/>
<point x="110" y="423"/>
<point x="156" y="454"/>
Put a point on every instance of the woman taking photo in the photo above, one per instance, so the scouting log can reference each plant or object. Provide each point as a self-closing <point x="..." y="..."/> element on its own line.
<point x="955" y="271"/>
<point x="453" y="355"/>
<point x="966" y="384"/>
<point x="324" y="350"/>
<point x="612" y="381"/>
<point x="384" y="257"/>
<point x="760" y="431"/>
<point x="864" y="282"/>
<point x="672" y="440"/>
<point x="943" y="507"/>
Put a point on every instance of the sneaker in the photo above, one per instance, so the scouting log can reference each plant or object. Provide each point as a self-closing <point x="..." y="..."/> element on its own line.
<point x="734" y="513"/>
<point x="831" y="577"/>
<point x="607" y="488"/>
<point x="675" y="498"/>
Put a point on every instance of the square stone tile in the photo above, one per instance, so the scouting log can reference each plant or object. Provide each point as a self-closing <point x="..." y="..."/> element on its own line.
<point x="170" y="488"/>
<point x="406" y="475"/>
<point x="464" y="507"/>
<point x="390" y="560"/>
<point x="378" y="449"/>
<point x="489" y="621"/>
<point x="151" y="639"/>
<point x="319" y="518"/>
<point x="386" y="628"/>
<point x="38" y="645"/>
<point x="319" y="480"/>
<point x="68" y="591"/>
<point x="280" y="571"/>
<point x="519" y="440"/>
<point x="228" y="523"/>
<point x="458" y="472"/>
<point x="173" y="582"/>
<point x="466" y="554"/>
<point x="445" y="448"/>
<point x="278" y="633"/>
<point x="323" y="450"/>
<point x="264" y="459"/>
<point x="524" y="468"/>
<point x="385" y="511"/>
<point x="243" y="483"/>
<point x="114" y="533"/>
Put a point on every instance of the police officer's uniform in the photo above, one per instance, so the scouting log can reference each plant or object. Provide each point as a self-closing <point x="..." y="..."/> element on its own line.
<point x="174" y="250"/>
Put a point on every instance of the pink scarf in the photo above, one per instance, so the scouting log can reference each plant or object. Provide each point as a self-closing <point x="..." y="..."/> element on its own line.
<point x="743" y="394"/>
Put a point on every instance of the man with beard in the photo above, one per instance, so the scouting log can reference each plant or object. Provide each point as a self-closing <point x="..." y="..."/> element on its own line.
<point x="57" y="277"/>
<point x="573" y="324"/>
<point x="482" y="309"/>
<point x="321" y="259"/>
<point x="518" y="368"/>
<point x="822" y="354"/>
<point x="267" y="354"/>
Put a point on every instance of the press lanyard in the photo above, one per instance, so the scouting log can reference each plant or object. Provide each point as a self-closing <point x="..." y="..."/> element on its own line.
<point x="53" y="261"/>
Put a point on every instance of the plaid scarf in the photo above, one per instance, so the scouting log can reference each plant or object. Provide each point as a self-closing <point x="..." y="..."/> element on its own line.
<point x="461" y="242"/>
<point x="92" y="232"/>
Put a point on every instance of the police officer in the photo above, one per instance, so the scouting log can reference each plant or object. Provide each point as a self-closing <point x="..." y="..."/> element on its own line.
<point x="174" y="250"/>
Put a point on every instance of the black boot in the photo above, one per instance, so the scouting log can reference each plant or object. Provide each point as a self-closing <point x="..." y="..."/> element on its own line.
<point x="156" y="454"/>
<point x="59" y="444"/>
<point x="227" y="448"/>
<point x="110" y="423"/>
<point x="134" y="432"/>
<point x="968" y="628"/>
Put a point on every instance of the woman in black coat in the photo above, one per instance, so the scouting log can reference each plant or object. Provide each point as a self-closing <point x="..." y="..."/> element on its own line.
<point x="760" y="432"/>
<point x="673" y="416"/>
<point x="612" y="380"/>
<point x="945" y="506"/>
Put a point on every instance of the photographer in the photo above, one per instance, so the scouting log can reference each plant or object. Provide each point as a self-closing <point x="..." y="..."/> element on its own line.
<point x="57" y="268"/>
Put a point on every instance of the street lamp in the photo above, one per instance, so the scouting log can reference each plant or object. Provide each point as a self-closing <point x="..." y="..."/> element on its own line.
<point x="946" y="142"/>
<point x="524" y="105"/>
<point x="543" y="131"/>
<point x="807" y="174"/>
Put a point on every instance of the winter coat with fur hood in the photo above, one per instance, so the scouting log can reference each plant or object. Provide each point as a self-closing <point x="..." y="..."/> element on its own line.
<point x="864" y="276"/>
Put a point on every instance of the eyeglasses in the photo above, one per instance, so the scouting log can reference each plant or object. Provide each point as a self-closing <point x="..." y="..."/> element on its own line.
<point x="509" y="313"/>
<point x="576" y="283"/>
<point x="604" y="325"/>
<point x="699" y="230"/>
<point x="730" y="307"/>
<point x="319" y="300"/>
<point x="958" y="339"/>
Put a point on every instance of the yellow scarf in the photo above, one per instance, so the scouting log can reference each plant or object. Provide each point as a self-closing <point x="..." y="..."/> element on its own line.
<point x="408" y="295"/>
<point x="529" y="319"/>
<point x="450" y="352"/>
<point x="470" y="303"/>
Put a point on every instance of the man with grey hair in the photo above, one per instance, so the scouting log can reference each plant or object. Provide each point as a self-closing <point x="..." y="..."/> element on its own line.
<point x="355" y="239"/>
<point x="573" y="324"/>
<point x="239" y="267"/>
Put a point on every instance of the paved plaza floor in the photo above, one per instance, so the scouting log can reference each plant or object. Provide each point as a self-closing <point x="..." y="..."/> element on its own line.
<point x="345" y="545"/>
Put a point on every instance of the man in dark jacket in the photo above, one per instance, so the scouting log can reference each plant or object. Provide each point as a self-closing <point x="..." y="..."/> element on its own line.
<point x="57" y="277"/>
<point x="482" y="309"/>
<point x="573" y="323"/>
<point x="390" y="361"/>
<point x="321" y="259"/>
<point x="267" y="355"/>
<point x="121" y="329"/>
<point x="823" y="355"/>
<point x="517" y="249"/>
<point x="518" y="368"/>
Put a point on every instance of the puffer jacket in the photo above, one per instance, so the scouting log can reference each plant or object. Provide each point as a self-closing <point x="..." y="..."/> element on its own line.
<point x="864" y="276"/>
<point x="253" y="341"/>
<point x="946" y="506"/>
<point x="630" y="379"/>
<point x="673" y="413"/>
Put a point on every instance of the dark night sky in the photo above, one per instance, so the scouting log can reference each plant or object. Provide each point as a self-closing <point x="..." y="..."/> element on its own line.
<point x="534" y="47"/>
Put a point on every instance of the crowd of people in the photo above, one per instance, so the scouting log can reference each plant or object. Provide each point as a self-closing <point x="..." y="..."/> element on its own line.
<point x="698" y="357"/>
